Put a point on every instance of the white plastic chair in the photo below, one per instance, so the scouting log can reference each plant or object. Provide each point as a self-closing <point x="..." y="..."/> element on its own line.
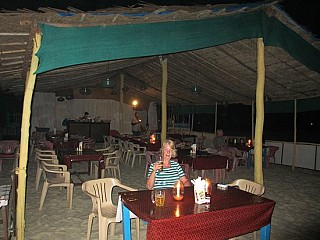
<point x="39" y="157"/>
<point x="136" y="151"/>
<point x="95" y="164"/>
<point x="151" y="157"/>
<point x="251" y="187"/>
<point x="56" y="175"/>
<point x="100" y="191"/>
<point x="248" y="186"/>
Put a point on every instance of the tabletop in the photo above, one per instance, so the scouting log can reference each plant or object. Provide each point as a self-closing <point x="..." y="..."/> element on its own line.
<point x="231" y="212"/>
<point x="203" y="160"/>
<point x="70" y="155"/>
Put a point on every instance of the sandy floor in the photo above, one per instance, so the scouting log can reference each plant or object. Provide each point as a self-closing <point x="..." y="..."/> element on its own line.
<point x="296" y="215"/>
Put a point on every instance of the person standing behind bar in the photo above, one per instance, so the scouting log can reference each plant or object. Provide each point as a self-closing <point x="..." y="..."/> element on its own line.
<point x="136" y="124"/>
<point x="85" y="117"/>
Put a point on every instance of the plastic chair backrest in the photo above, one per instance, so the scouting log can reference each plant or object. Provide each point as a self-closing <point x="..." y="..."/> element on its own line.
<point x="272" y="151"/>
<point x="8" y="146"/>
<point x="114" y="158"/>
<point x="248" y="186"/>
<point x="102" y="189"/>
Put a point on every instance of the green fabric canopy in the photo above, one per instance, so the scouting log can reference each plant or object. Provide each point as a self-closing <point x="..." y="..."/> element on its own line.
<point x="67" y="46"/>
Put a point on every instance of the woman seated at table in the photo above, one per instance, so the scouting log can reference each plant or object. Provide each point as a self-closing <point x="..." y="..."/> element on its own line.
<point x="165" y="175"/>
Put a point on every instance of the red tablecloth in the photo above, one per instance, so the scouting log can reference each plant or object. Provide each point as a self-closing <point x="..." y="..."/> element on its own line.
<point x="212" y="162"/>
<point x="206" y="162"/>
<point x="231" y="213"/>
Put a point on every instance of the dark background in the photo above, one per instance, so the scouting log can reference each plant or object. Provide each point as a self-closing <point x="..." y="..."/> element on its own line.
<point x="306" y="12"/>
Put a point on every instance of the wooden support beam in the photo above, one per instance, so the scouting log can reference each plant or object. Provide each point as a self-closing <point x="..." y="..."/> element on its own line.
<point x="24" y="140"/>
<point x="258" y="173"/>
<point x="164" y="64"/>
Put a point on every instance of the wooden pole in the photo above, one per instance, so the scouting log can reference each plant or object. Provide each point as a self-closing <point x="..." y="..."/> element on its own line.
<point x="164" y="64"/>
<point x="216" y="118"/>
<point x="294" y="159"/>
<point x="258" y="174"/>
<point x="192" y="118"/>
<point x="252" y="120"/>
<point x="121" y="103"/>
<point x="24" y="140"/>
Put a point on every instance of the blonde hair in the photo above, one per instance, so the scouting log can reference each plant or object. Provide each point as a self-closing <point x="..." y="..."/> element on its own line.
<point x="172" y="146"/>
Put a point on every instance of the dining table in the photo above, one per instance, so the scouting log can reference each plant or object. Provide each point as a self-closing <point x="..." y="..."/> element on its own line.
<point x="230" y="213"/>
<point x="68" y="156"/>
<point x="202" y="161"/>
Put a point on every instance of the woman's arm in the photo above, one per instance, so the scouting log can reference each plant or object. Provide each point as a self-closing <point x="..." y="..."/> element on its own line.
<point x="152" y="177"/>
<point x="151" y="180"/>
<point x="185" y="181"/>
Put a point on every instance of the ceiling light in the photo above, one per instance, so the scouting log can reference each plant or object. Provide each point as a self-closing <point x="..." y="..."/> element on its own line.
<point x="85" y="90"/>
<point x="107" y="83"/>
<point x="196" y="89"/>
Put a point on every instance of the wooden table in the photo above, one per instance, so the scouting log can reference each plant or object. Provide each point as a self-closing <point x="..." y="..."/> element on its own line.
<point x="231" y="213"/>
<point x="204" y="161"/>
<point x="69" y="156"/>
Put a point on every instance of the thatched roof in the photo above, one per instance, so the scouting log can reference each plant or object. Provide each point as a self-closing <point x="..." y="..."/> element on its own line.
<point x="224" y="73"/>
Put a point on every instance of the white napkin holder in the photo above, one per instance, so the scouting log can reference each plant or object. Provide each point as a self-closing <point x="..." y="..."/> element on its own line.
<point x="80" y="146"/>
<point x="199" y="190"/>
<point x="194" y="148"/>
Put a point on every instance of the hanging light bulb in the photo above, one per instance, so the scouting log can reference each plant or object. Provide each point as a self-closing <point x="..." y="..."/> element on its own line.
<point x="85" y="90"/>
<point x="107" y="83"/>
<point x="196" y="89"/>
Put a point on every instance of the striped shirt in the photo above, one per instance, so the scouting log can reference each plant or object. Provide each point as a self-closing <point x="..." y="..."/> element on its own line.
<point x="168" y="176"/>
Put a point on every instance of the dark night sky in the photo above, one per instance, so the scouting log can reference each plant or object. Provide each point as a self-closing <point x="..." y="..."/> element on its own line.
<point x="305" y="12"/>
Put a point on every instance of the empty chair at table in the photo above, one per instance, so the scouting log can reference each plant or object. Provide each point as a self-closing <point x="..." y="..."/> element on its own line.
<point x="56" y="175"/>
<point x="271" y="154"/>
<point x="88" y="143"/>
<point x="136" y="151"/>
<point x="7" y="150"/>
<point x="100" y="191"/>
<point x="95" y="164"/>
<point x="151" y="157"/>
<point x="248" y="186"/>
<point x="106" y="141"/>
<point x="111" y="164"/>
<point x="48" y="156"/>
